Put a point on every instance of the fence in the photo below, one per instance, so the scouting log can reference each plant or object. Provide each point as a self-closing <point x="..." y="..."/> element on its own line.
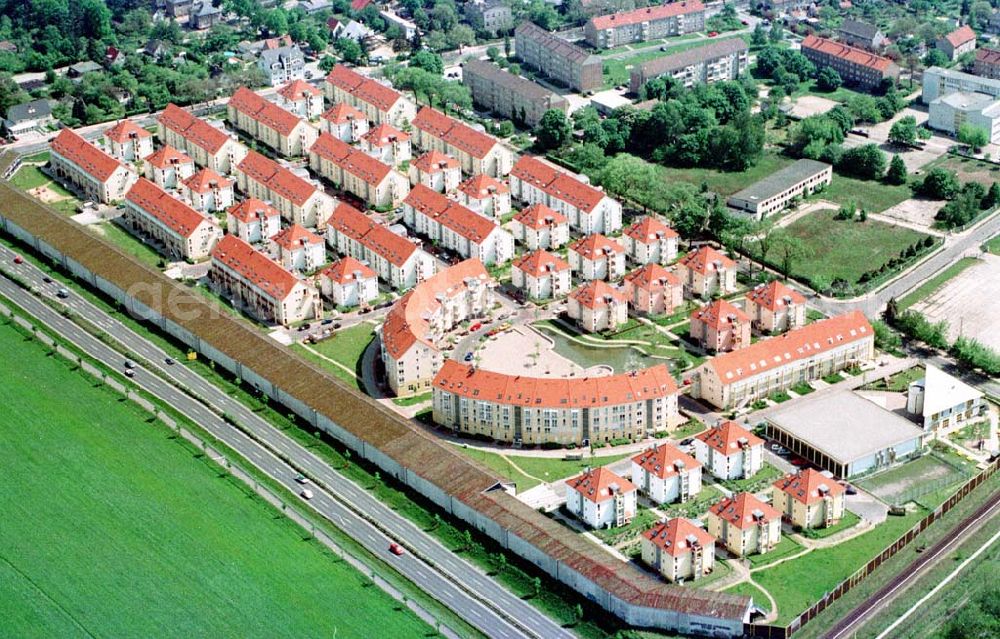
<point x="764" y="631"/>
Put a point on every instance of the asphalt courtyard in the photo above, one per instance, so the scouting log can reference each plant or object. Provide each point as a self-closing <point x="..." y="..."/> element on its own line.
<point x="970" y="303"/>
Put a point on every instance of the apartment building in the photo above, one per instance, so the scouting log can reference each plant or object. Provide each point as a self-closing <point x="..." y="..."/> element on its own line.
<point x="987" y="63"/>
<point x="653" y="290"/>
<point x="96" y="174"/>
<point x="706" y="272"/>
<point x="455" y="227"/>
<point x="344" y="122"/>
<point x="597" y="306"/>
<point x="856" y="67"/>
<point x="415" y="325"/>
<point x="601" y="499"/>
<point x="864" y="35"/>
<point x="948" y="113"/>
<point x="649" y="241"/>
<point x="507" y="95"/>
<point x="399" y="262"/>
<point x="298" y="200"/>
<point x="939" y="82"/>
<point x="776" y="364"/>
<point x="436" y="171"/>
<point x="775" y="192"/>
<point x="282" y="64"/>
<point x="541" y="275"/>
<point x="354" y="171"/>
<point x="206" y="145"/>
<point x="957" y="43"/>
<point x="664" y="474"/>
<point x="260" y="286"/>
<point x="177" y="230"/>
<point x="720" y="327"/>
<point x="128" y="142"/>
<point x="558" y="59"/>
<point x="588" y="209"/>
<point x="387" y="144"/>
<point x="539" y="227"/>
<point x="301" y="99"/>
<point x="808" y="499"/>
<point x="729" y="451"/>
<point x="648" y="23"/>
<point x="745" y="525"/>
<point x="378" y="102"/>
<point x="208" y="192"/>
<point x="491" y="16"/>
<point x="596" y="257"/>
<point x="298" y="249"/>
<point x="485" y="195"/>
<point x="167" y="167"/>
<point x="268" y="123"/>
<point x="775" y="308"/>
<point x="253" y="220"/>
<point x="713" y="62"/>
<point x="678" y="550"/>
<point x="477" y="152"/>
<point x="538" y="410"/>
<point x="348" y="283"/>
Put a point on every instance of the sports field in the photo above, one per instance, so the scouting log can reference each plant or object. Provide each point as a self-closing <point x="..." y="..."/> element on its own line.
<point x="110" y="528"/>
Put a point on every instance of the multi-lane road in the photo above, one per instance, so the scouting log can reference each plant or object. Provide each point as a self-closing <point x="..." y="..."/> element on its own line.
<point x="468" y="591"/>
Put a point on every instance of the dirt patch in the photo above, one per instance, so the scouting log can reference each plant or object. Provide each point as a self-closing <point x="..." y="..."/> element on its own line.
<point x="809" y="105"/>
<point x="970" y="303"/>
<point x="915" y="211"/>
<point x="46" y="195"/>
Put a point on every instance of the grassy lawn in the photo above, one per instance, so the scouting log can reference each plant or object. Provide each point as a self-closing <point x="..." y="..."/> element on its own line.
<point x="849" y="520"/>
<point x="726" y="183"/>
<point x="874" y="197"/>
<point x="767" y="475"/>
<point x="785" y="548"/>
<point x="644" y="518"/>
<point x="843" y="249"/>
<point x="544" y="468"/>
<point x="127" y="242"/>
<point x="346" y="377"/>
<point x="802" y="388"/>
<point x="912" y="480"/>
<point x="993" y="246"/>
<point x="617" y="71"/>
<point x="968" y="169"/>
<point x="694" y="508"/>
<point x="692" y="427"/>
<point x="931" y="286"/>
<point x="29" y="177"/>
<point x="347" y="345"/>
<point x="500" y="465"/>
<point x="720" y="571"/>
<point x="899" y="382"/>
<point x="750" y="590"/>
<point x="414" y="399"/>
<point x="180" y="550"/>
<point x="41" y="156"/>
<point x="841" y="94"/>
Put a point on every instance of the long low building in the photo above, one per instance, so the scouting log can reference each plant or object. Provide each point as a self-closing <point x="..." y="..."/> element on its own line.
<point x="778" y="363"/>
<point x="558" y="59"/>
<point x="456" y="227"/>
<point x="354" y="171"/>
<point x="478" y="153"/>
<point x="647" y="23"/>
<point x="379" y="103"/>
<point x="588" y="209"/>
<point x="856" y="67"/>
<point x="773" y="193"/>
<point x="508" y="95"/>
<point x="208" y="146"/>
<point x="844" y="433"/>
<point x="265" y="121"/>
<point x="298" y="200"/>
<point x="541" y="410"/>
<point x="98" y="175"/>
<point x="948" y="113"/>
<point x="179" y="230"/>
<point x="714" y="62"/>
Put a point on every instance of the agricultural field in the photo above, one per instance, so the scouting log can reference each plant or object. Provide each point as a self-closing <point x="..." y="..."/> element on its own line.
<point x="114" y="529"/>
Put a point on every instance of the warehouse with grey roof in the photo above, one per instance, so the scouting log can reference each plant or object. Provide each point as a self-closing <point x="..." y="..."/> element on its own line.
<point x="773" y="193"/>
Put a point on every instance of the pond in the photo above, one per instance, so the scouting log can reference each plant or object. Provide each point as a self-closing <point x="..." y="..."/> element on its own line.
<point x="620" y="358"/>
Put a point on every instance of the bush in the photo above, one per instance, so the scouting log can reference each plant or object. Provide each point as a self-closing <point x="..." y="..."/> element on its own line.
<point x="939" y="184"/>
<point x="621" y="441"/>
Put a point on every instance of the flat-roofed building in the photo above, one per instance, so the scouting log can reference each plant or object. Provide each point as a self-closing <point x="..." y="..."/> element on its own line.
<point x="713" y="62"/>
<point x="706" y="272"/>
<point x="485" y="195"/>
<point x="678" y="550"/>
<point x="773" y="193"/>
<point x="808" y="499"/>
<point x="377" y="101"/>
<point x="469" y="234"/>
<point x="253" y="220"/>
<point x="299" y="201"/>
<point x="856" y="67"/>
<point x="729" y="451"/>
<point x="597" y="306"/>
<point x="987" y="63"/>
<point x="508" y="95"/>
<point x="944" y="402"/>
<point x="348" y="283"/>
<point x="775" y="307"/>
<point x="265" y="121"/>
<point x="538" y="410"/>
<point x="344" y="122"/>
<point x="720" y="327"/>
<point x="596" y="257"/>
<point x="298" y="249"/>
<point x="477" y="152"/>
<point x="128" y="142"/>
<point x="436" y="171"/>
<point x="664" y="474"/>
<point x="601" y="499"/>
<point x="558" y="59"/>
<point x="776" y="364"/>
<point x="387" y="144"/>
<point x="98" y="175"/>
<point x="541" y="275"/>
<point x="649" y="241"/>
<point x="205" y="144"/>
<point x="745" y="525"/>
<point x="653" y="290"/>
<point x="648" y="23"/>
<point x="177" y="230"/>
<point x="939" y="82"/>
<point x="588" y="209"/>
<point x="539" y="227"/>
<point x="948" y="113"/>
<point x="301" y="99"/>
<point x="844" y="433"/>
<point x="374" y="182"/>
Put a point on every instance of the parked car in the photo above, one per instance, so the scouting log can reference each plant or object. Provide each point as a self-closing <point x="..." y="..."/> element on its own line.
<point x="468" y="356"/>
<point x="396" y="549"/>
<point x="326" y="321"/>
<point x="687" y="442"/>
<point x="475" y="327"/>
<point x="169" y="361"/>
<point x="129" y="364"/>
<point x="712" y="34"/>
<point x="46" y="279"/>
<point x="129" y="372"/>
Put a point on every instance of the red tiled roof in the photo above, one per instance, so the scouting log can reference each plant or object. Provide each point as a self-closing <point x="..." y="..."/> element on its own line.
<point x="294" y="237"/>
<point x="171" y="212"/>
<point x="538" y="216"/>
<point x="647" y="14"/>
<point x="277" y="43"/>
<point x="595" y="246"/>
<point x="276" y="178"/>
<point x="167" y="156"/>
<point x="988" y="56"/>
<point x="362" y="88"/>
<point x="264" y="112"/>
<point x="652" y="277"/>
<point x="558" y="184"/>
<point x="196" y="131"/>
<point x="540" y="262"/>
<point x="383" y="135"/>
<point x="961" y="35"/>
<point x="726" y="438"/>
<point x="744" y="511"/>
<point x="451" y="214"/>
<point x="482" y="186"/>
<point x="93" y="161"/>
<point x="252" y="209"/>
<point x="845" y="52"/>
<point x="453" y="132"/>
<point x="342" y="112"/>
<point x="808" y="486"/>
<point x="126" y="130"/>
<point x="255" y="267"/>
<point x="347" y="269"/>
<point x="775" y="295"/>
<point x="297" y="90"/>
<point x="649" y="229"/>
<point x="533" y="171"/>
<point x="597" y="294"/>
<point x="358" y="5"/>
<point x="432" y="122"/>
<point x="705" y="260"/>
<point x="678" y="536"/>
<point x="435" y="162"/>
<point x="207" y="180"/>
<point x="664" y="460"/>
<point x="599" y="484"/>
<point x="356" y="225"/>
<point x="719" y="314"/>
<point x="350" y="159"/>
<point x="800" y="343"/>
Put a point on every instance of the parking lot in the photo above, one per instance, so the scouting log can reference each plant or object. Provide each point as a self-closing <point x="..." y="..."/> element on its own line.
<point x="970" y="303"/>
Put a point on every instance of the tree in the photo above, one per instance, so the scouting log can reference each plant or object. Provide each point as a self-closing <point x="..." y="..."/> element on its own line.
<point x="536" y="587"/>
<point x="631" y="177"/>
<point x="904" y="131"/>
<point x="759" y="36"/>
<point x="939" y="184"/>
<point x="776" y="33"/>
<point x="493" y="53"/>
<point x="935" y="58"/>
<point x="866" y="162"/>
<point x="992" y="199"/>
<point x="428" y="61"/>
<point x="789" y="248"/>
<point x="828" y="79"/>
<point x="973" y="136"/>
<point x="553" y="130"/>
<point x="349" y="50"/>
<point x="897" y="171"/>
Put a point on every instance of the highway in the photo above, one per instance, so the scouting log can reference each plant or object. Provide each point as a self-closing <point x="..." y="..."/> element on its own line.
<point x="472" y="594"/>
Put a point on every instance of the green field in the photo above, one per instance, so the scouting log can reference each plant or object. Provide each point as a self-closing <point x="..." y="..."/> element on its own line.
<point x="899" y="382"/>
<point x="968" y="169"/>
<point x="911" y="479"/>
<point x="785" y="548"/>
<point x="849" y="520"/>
<point x="344" y="347"/>
<point x="128" y="243"/>
<point x="536" y="469"/>
<point x="759" y="598"/>
<point x="726" y="183"/>
<point x="30" y="177"/>
<point x="931" y="286"/>
<point x="873" y="197"/>
<point x="993" y="246"/>
<point x="113" y="529"/>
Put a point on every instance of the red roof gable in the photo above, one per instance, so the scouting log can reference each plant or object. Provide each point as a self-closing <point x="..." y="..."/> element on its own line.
<point x="729" y="438"/>
<point x="362" y="88"/>
<point x="719" y="314"/>
<point x="195" y="131"/>
<point x="453" y="132"/>
<point x="384" y="135"/>
<point x="167" y="156"/>
<point x="276" y="178"/>
<point x="599" y="484"/>
<point x="744" y="511"/>
<point x="252" y="209"/>
<point x="171" y="212"/>
<point x="540" y="262"/>
<point x="356" y="225"/>
<point x="808" y="486"/>
<point x="664" y="460"/>
<point x="775" y="295"/>
<point x="294" y="237"/>
<point x="649" y="229"/>
<point x="207" y="180"/>
<point x="706" y="260"/>
<point x="126" y="130"/>
<point x="556" y="183"/>
<point x="350" y="159"/>
<point x="538" y="216"/>
<point x="451" y="214"/>
<point x="264" y="111"/>
<point x="347" y="269"/>
<point x="435" y="162"/>
<point x="482" y="186"/>
<point x="962" y="35"/>
<point x="93" y="161"/>
<point x="678" y="536"/>
<point x="844" y="52"/>
<point x="597" y="294"/>
<point x="595" y="246"/>
<point x="647" y="14"/>
<point x="298" y="90"/>
<point x="255" y="267"/>
<point x="342" y="112"/>
<point x="652" y="277"/>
